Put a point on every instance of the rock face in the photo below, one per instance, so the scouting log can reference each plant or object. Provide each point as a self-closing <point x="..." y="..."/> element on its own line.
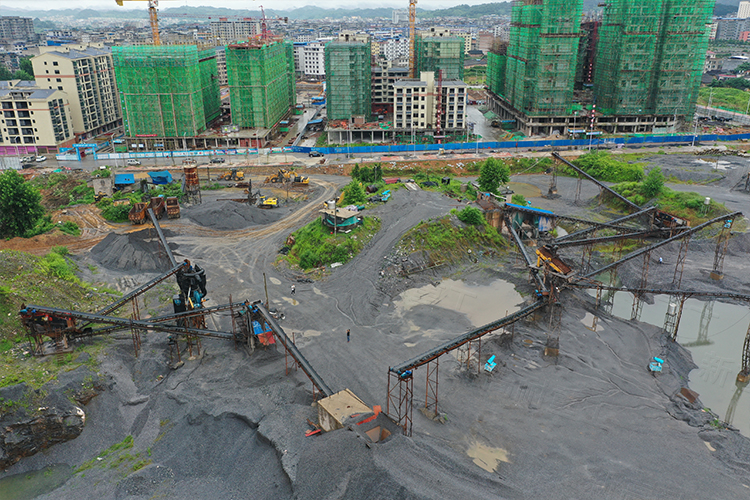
<point x="33" y="420"/>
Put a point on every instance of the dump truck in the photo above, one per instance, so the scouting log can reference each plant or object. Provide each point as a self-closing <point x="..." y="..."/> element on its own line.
<point x="157" y="205"/>
<point x="287" y="176"/>
<point x="173" y="208"/>
<point x="137" y="214"/>
<point x="234" y="175"/>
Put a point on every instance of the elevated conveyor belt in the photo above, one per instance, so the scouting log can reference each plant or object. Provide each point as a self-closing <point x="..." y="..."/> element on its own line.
<point x="530" y="263"/>
<point x="161" y="237"/>
<point x="606" y="239"/>
<point x="601" y="185"/>
<point x="617" y="222"/>
<point x="658" y="291"/>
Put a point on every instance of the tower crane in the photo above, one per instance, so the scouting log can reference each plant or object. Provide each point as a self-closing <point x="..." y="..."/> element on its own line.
<point x="152" y="5"/>
<point x="413" y="38"/>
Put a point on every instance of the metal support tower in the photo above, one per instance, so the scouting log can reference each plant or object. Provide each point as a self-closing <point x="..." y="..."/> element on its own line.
<point x="744" y="375"/>
<point x="637" y="302"/>
<point x="579" y="184"/>
<point x="705" y="321"/>
<point x="722" y="242"/>
<point x="674" y="315"/>
<point x="431" y="387"/>
<point x="399" y="403"/>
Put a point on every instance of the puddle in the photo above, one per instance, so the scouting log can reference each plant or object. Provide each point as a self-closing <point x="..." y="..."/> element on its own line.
<point x="410" y="344"/>
<point x="591" y="322"/>
<point x="486" y="457"/>
<point x="290" y="300"/>
<point x="525" y="190"/>
<point x="708" y="445"/>
<point x="311" y="333"/>
<point x="28" y="485"/>
<point x="481" y="304"/>
<point x="316" y="291"/>
<point x="714" y="333"/>
<point x="275" y="281"/>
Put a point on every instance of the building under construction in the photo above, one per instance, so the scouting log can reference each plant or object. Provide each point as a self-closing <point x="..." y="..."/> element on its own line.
<point x="638" y="71"/>
<point x="167" y="90"/>
<point x="436" y="53"/>
<point x="348" y="79"/>
<point x="261" y="80"/>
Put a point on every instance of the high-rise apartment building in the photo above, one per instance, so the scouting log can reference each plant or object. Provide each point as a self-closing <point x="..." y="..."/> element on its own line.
<point x="436" y="53"/>
<point x="415" y="103"/>
<point x="226" y="31"/>
<point x="86" y="74"/>
<point x="309" y="59"/>
<point x="744" y="10"/>
<point x="348" y="79"/>
<point x="17" y="28"/>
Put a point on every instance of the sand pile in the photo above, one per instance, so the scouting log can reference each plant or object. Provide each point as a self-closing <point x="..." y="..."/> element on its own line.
<point x="139" y="251"/>
<point x="229" y="215"/>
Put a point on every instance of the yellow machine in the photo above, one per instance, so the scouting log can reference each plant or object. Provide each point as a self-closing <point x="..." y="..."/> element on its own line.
<point x="234" y="175"/>
<point x="268" y="202"/>
<point x="287" y="176"/>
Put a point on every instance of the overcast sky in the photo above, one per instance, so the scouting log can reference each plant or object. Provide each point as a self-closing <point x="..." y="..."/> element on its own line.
<point x="233" y="4"/>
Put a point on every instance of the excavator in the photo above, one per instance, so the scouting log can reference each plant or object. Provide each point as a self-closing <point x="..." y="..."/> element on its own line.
<point x="287" y="176"/>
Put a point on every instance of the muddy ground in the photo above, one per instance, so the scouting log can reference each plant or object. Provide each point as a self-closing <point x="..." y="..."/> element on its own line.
<point x="590" y="424"/>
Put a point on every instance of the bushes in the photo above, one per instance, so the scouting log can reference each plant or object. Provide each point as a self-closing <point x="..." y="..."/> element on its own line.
<point x="56" y="264"/>
<point x="518" y="199"/>
<point x="653" y="184"/>
<point x="315" y="246"/>
<point x="82" y="193"/>
<point x="42" y="225"/>
<point x="604" y="167"/>
<point x="471" y="215"/>
<point x="367" y="175"/>
<point x="354" y="194"/>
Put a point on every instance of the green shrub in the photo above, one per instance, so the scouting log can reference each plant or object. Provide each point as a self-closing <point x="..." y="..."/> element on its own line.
<point x="471" y="215"/>
<point x="518" y="199"/>
<point x="354" y="194"/>
<point x="82" y="193"/>
<point x="116" y="213"/>
<point x="71" y="228"/>
<point x="602" y="166"/>
<point x="653" y="184"/>
<point x="43" y="225"/>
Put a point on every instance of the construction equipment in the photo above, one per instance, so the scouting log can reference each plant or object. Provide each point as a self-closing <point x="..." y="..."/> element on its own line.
<point x="413" y="39"/>
<point x="234" y="175"/>
<point x="152" y="5"/>
<point x="137" y="214"/>
<point x="287" y="176"/>
<point x="268" y="202"/>
<point x="173" y="208"/>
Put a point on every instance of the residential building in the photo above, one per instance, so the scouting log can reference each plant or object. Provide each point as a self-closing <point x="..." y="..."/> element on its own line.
<point x="226" y="31"/>
<point x="729" y="28"/>
<point x="221" y="63"/>
<point x="436" y="53"/>
<point x="395" y="48"/>
<point x="309" y="60"/>
<point x="743" y="12"/>
<point x="353" y="36"/>
<point x="261" y="83"/>
<point x="383" y="80"/>
<point x="415" y="103"/>
<point x="34" y="120"/>
<point x="400" y="16"/>
<point x="17" y="28"/>
<point x="10" y="60"/>
<point x="348" y="79"/>
<point x="438" y="31"/>
<point x="86" y="74"/>
<point x="712" y="63"/>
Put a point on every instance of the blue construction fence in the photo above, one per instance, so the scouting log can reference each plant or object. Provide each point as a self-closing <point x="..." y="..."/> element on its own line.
<point x="635" y="140"/>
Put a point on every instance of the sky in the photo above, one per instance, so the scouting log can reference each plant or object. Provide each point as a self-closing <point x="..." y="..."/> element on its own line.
<point x="234" y="4"/>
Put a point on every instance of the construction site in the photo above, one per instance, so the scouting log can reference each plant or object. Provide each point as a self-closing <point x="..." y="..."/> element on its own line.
<point x="637" y="70"/>
<point x="557" y="362"/>
<point x="348" y="71"/>
<point x="167" y="90"/>
<point x="440" y="53"/>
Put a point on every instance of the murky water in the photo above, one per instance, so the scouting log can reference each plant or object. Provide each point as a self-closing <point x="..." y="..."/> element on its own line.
<point x="525" y="190"/>
<point x="481" y="304"/>
<point x="487" y="457"/>
<point x="28" y="485"/>
<point x="714" y="332"/>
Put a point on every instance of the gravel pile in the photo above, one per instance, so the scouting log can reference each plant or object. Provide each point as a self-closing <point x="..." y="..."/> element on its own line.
<point x="229" y="215"/>
<point x="139" y="251"/>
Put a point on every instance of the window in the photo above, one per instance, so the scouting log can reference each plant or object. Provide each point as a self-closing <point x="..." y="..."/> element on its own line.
<point x="53" y="64"/>
<point x="58" y="80"/>
<point x="59" y="87"/>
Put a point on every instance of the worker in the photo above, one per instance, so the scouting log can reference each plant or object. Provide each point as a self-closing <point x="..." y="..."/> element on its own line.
<point x="348" y="333"/>
<point x="661" y="261"/>
<point x="293" y="289"/>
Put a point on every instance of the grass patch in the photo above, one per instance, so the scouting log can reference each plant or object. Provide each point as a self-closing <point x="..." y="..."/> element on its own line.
<point x="449" y="242"/>
<point x="604" y="166"/>
<point x="315" y="245"/>
<point x="726" y="98"/>
<point x="212" y="187"/>
<point x="112" y="452"/>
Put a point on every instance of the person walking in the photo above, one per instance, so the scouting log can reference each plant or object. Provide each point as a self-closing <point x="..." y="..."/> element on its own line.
<point x="348" y="333"/>
<point x="293" y="289"/>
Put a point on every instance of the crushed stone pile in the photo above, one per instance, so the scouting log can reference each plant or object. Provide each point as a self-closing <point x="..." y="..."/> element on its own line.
<point x="229" y="215"/>
<point x="139" y="251"/>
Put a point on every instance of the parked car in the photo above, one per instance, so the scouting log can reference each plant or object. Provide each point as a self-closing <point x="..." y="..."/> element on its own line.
<point x="217" y="160"/>
<point x="188" y="161"/>
<point x="40" y="159"/>
<point x="133" y="162"/>
<point x="315" y="154"/>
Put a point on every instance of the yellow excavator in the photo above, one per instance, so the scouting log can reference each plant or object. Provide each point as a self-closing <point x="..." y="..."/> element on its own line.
<point x="268" y="202"/>
<point x="287" y="176"/>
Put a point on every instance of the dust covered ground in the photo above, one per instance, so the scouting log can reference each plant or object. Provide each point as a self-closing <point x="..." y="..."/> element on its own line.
<point x="590" y="424"/>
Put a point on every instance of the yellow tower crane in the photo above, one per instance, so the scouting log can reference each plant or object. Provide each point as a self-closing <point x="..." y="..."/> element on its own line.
<point x="413" y="38"/>
<point x="152" y="5"/>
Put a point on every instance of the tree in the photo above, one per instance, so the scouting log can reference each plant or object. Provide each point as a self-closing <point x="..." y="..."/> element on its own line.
<point x="493" y="173"/>
<point x="20" y="206"/>
<point x="653" y="184"/>
<point x="354" y="194"/>
<point x="25" y="64"/>
<point x="355" y="172"/>
<point x="471" y="215"/>
<point x="5" y="74"/>
<point x="22" y="75"/>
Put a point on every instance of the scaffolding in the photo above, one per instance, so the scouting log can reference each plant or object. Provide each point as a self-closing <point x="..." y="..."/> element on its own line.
<point x="496" y="73"/>
<point x="543" y="55"/>
<point x="262" y="87"/>
<point x="166" y="90"/>
<point x="348" y="79"/>
<point x="436" y="53"/>
<point x="650" y="56"/>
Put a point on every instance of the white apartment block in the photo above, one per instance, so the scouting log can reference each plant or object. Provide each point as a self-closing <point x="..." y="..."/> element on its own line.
<point x="225" y="31"/>
<point x="353" y="36"/>
<point x="309" y="59"/>
<point x="395" y="48"/>
<point x="415" y="103"/>
<point x="221" y="64"/>
<point x="400" y="16"/>
<point x="87" y="75"/>
<point x="744" y="10"/>
<point x="33" y="119"/>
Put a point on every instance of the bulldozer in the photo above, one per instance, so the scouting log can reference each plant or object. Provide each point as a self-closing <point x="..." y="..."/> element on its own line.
<point x="234" y="175"/>
<point x="287" y="176"/>
<point x="268" y="202"/>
